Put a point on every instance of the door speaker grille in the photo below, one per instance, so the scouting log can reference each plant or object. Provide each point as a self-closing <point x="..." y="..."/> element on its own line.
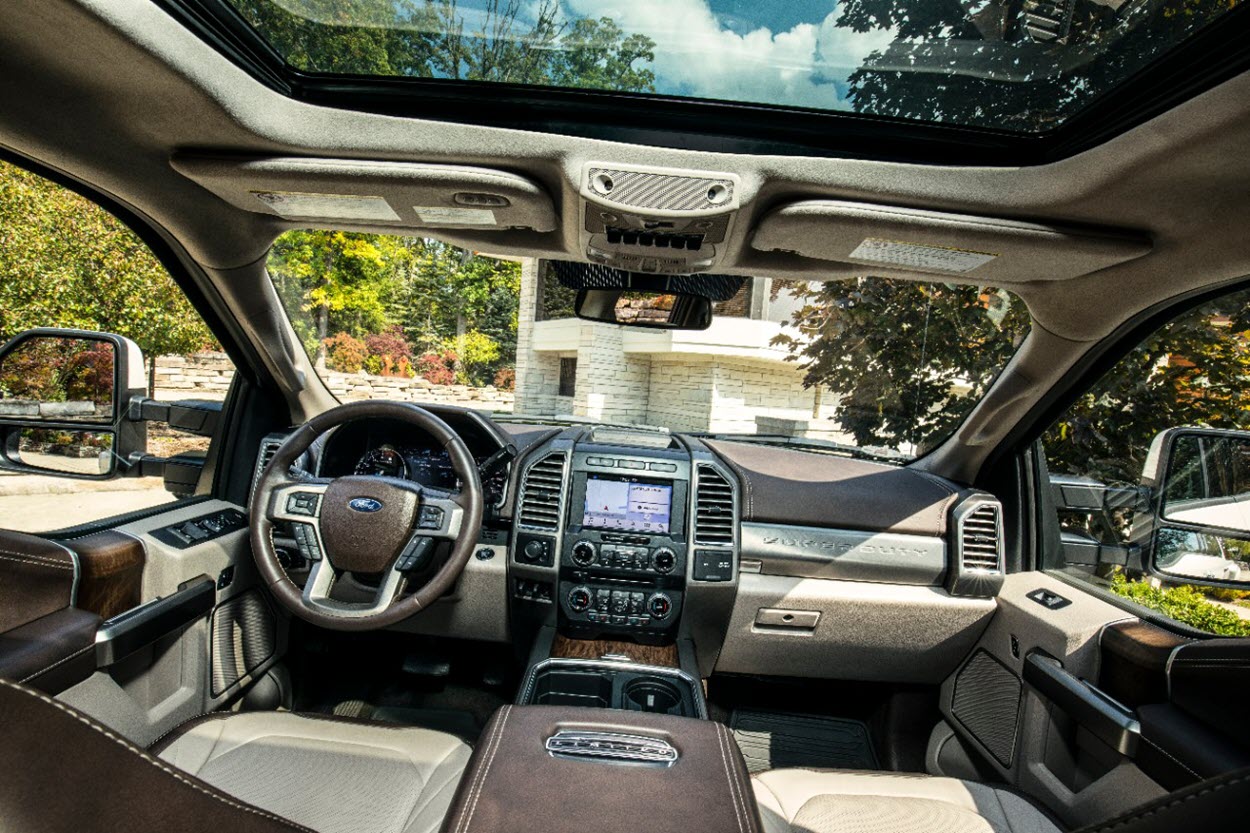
<point x="245" y="635"/>
<point x="987" y="702"/>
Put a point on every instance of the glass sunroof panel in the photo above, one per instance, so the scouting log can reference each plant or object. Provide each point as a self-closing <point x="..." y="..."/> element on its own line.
<point x="1019" y="65"/>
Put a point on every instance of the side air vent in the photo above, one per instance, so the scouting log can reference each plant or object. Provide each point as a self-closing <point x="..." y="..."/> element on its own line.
<point x="713" y="508"/>
<point x="1047" y="21"/>
<point x="979" y="538"/>
<point x="268" y="447"/>
<point x="977" y="569"/>
<point x="540" y="493"/>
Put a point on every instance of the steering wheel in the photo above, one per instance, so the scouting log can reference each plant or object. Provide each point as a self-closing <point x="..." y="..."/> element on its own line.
<point x="365" y="524"/>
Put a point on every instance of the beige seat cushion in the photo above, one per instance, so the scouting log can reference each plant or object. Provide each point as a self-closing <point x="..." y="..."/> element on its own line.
<point x="333" y="776"/>
<point x="832" y="801"/>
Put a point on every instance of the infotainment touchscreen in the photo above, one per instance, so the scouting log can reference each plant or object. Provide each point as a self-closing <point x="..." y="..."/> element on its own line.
<point x="628" y="504"/>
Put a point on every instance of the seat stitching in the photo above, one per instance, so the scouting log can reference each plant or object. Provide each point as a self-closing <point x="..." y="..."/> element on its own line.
<point x="784" y="813"/>
<point x="1171" y="757"/>
<point x="157" y="763"/>
<point x="1123" y="820"/>
<point x="61" y="661"/>
<point x="38" y="562"/>
<point x="720" y="745"/>
<point x="418" y="806"/>
<point x="738" y="785"/>
<point x="47" y="558"/>
<point x="476" y="792"/>
<point x="422" y="807"/>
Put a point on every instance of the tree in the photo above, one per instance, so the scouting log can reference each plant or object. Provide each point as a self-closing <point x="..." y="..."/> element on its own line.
<point x="908" y="359"/>
<point x="66" y="262"/>
<point x="342" y="280"/>
<point x="1010" y="82"/>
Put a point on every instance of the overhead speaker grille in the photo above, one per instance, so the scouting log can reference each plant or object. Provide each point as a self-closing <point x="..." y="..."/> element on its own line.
<point x="245" y="636"/>
<point x="987" y="702"/>
<point x="540" y="493"/>
<point x="664" y="192"/>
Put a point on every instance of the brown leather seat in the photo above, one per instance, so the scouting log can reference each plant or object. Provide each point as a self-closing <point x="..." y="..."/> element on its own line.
<point x="258" y="771"/>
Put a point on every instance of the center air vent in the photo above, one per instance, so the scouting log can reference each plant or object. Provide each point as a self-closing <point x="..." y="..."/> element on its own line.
<point x="540" y="493"/>
<point x="713" y="508"/>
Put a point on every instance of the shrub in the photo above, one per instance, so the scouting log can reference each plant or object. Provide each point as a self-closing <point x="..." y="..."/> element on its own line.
<point x="1184" y="604"/>
<point x="505" y="378"/>
<point x="478" y="352"/>
<point x="345" y="353"/>
<point x="438" y="367"/>
<point x="389" y="353"/>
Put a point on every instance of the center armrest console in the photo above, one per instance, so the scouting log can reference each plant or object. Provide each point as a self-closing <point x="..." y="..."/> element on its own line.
<point x="573" y="770"/>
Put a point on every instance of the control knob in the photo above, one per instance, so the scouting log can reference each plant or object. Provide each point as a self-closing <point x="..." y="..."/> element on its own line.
<point x="583" y="553"/>
<point x="664" y="560"/>
<point x="535" y="551"/>
<point x="580" y="599"/>
<point x="659" y="605"/>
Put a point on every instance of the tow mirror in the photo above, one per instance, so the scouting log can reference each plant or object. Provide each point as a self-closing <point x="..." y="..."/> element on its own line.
<point x="64" y="401"/>
<point x="1201" y="479"/>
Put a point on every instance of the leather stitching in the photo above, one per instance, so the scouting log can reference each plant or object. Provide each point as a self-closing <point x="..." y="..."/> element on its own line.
<point x="37" y="561"/>
<point x="733" y="793"/>
<point x="476" y="791"/>
<point x="741" y="779"/>
<point x="143" y="756"/>
<point x="1171" y="757"/>
<point x="61" y="661"/>
<point x="1132" y="817"/>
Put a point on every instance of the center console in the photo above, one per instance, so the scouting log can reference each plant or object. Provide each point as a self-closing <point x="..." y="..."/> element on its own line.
<point x="622" y="566"/>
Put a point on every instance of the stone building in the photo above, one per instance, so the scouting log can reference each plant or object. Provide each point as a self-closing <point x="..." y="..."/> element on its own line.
<point x="728" y="378"/>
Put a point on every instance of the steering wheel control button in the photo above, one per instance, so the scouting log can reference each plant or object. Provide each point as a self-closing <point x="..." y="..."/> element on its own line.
<point x="431" y="517"/>
<point x="584" y="553"/>
<point x="306" y="540"/>
<point x="302" y="503"/>
<point x="713" y="565"/>
<point x="659" y="605"/>
<point x="417" y="555"/>
<point x="580" y="599"/>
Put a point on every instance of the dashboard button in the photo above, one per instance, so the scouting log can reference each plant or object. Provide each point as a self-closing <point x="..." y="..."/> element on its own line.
<point x="602" y="462"/>
<point x="662" y="466"/>
<point x="632" y="464"/>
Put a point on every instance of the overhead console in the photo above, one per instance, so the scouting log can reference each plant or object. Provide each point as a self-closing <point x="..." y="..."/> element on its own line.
<point x="656" y="220"/>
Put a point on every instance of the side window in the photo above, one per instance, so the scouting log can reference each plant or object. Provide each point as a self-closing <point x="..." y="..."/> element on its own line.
<point x="1150" y="472"/>
<point x="66" y="262"/>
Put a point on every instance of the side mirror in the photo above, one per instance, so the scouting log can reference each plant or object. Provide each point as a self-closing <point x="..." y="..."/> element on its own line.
<point x="1202" y="493"/>
<point x="64" y="403"/>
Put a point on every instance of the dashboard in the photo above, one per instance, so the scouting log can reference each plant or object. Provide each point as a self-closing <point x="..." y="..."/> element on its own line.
<point x="387" y="448"/>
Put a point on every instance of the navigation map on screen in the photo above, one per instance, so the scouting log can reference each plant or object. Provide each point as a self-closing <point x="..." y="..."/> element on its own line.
<point x="620" y="504"/>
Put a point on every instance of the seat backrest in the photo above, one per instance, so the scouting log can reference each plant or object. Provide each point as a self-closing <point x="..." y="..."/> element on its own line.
<point x="65" y="773"/>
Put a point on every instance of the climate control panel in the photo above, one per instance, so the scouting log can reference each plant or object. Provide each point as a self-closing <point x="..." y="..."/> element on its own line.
<point x="600" y="607"/>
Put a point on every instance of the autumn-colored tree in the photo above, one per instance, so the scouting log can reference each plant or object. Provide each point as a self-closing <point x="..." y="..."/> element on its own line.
<point x="66" y="262"/>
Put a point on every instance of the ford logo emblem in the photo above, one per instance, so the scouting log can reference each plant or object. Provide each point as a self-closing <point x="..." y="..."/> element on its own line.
<point x="364" y="504"/>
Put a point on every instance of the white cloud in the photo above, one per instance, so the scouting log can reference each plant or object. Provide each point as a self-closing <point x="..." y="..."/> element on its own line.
<point x="695" y="55"/>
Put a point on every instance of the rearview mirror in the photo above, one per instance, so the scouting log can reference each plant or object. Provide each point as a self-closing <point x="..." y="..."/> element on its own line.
<point x="64" y="400"/>
<point x="1202" y="481"/>
<point x="636" y="299"/>
<point x="657" y="310"/>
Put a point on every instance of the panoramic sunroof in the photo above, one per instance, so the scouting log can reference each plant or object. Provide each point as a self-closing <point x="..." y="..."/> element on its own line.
<point x="1024" y="66"/>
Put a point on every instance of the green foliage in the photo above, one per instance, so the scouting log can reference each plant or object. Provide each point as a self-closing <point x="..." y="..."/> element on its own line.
<point x="478" y="354"/>
<point x="908" y="359"/>
<point x="1192" y="371"/>
<point x="429" y="40"/>
<point x="1184" y="604"/>
<point x="345" y="354"/>
<point x="66" y="262"/>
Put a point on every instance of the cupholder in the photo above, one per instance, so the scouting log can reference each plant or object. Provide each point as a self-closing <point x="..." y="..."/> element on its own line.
<point x="653" y="694"/>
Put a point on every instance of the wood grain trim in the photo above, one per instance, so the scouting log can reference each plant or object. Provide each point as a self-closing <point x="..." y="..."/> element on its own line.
<point x="664" y="656"/>
<point x="111" y="578"/>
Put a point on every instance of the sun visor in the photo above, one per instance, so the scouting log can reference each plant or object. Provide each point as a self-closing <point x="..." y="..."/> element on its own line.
<point x="346" y="192"/>
<point x="904" y="242"/>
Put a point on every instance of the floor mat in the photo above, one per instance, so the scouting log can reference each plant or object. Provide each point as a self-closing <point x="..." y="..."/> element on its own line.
<point x="452" y="721"/>
<point x="772" y="740"/>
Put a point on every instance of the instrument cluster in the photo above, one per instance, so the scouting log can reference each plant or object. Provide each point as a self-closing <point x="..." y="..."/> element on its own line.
<point x="429" y="466"/>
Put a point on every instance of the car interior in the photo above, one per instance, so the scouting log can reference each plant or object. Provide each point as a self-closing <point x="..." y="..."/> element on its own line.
<point x="385" y="616"/>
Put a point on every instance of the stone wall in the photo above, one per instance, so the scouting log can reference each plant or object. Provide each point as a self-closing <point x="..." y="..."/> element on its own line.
<point x="208" y="376"/>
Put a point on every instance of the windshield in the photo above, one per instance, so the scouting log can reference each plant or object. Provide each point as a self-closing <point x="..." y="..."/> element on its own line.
<point x="873" y="366"/>
<point x="1019" y="65"/>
